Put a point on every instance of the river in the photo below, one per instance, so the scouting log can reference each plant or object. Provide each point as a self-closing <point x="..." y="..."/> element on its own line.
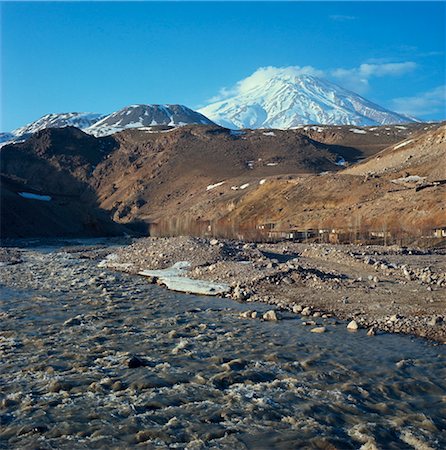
<point x="200" y="375"/>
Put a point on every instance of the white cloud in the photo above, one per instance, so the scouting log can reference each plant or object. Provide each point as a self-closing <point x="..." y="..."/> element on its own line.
<point x="357" y="78"/>
<point x="429" y="103"/>
<point x="380" y="70"/>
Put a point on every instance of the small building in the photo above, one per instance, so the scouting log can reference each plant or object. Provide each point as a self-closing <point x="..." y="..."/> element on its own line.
<point x="266" y="226"/>
<point x="440" y="232"/>
<point x="304" y="234"/>
<point x="280" y="235"/>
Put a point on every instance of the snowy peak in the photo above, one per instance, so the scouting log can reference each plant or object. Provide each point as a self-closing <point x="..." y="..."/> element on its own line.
<point x="133" y="116"/>
<point x="285" y="100"/>
<point x="74" y="119"/>
<point x="137" y="116"/>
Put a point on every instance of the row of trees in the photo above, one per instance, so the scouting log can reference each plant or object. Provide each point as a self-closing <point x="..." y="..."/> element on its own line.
<point x="380" y="230"/>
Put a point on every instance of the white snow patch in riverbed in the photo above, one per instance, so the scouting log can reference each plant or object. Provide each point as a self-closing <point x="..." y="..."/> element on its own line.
<point x="213" y="186"/>
<point x="269" y="133"/>
<point x="175" y="279"/>
<point x="29" y="195"/>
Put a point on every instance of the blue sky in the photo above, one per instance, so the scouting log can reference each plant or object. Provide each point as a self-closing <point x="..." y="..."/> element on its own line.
<point x="99" y="57"/>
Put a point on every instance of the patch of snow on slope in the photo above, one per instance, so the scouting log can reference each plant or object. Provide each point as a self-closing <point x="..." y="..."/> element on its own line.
<point x="357" y="131"/>
<point x="243" y="186"/>
<point x="213" y="186"/>
<point x="409" y="179"/>
<point x="403" y="144"/>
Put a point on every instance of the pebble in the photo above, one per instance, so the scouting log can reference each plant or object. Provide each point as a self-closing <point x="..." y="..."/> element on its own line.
<point x="352" y="326"/>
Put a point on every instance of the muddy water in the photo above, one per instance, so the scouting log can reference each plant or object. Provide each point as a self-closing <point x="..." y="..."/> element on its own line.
<point x="209" y="378"/>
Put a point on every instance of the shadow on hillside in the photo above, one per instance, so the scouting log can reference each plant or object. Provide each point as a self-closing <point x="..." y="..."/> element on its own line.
<point x="72" y="211"/>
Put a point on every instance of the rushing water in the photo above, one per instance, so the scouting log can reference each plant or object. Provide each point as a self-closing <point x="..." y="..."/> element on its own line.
<point x="210" y="379"/>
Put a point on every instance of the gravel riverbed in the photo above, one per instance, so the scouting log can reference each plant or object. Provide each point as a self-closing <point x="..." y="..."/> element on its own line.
<point x="388" y="289"/>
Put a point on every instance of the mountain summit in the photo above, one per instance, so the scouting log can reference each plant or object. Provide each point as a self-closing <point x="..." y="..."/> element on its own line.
<point x="137" y="116"/>
<point x="80" y="120"/>
<point x="133" y="116"/>
<point x="284" y="99"/>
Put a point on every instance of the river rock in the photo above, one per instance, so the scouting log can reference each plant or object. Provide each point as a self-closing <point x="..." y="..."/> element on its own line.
<point x="55" y="386"/>
<point x="318" y="330"/>
<point x="238" y="293"/>
<point x="74" y="321"/>
<point x="234" y="364"/>
<point x="135" y="361"/>
<point x="297" y="309"/>
<point x="271" y="315"/>
<point x="352" y="326"/>
<point x="248" y="314"/>
<point x="435" y="321"/>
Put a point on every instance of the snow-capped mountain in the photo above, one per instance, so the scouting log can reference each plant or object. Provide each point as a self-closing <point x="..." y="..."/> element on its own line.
<point x="285" y="100"/>
<point x="74" y="119"/>
<point x="137" y="116"/>
<point x="6" y="137"/>
<point x="133" y="116"/>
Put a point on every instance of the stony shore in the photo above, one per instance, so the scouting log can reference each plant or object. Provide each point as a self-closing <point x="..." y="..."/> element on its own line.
<point x="382" y="289"/>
